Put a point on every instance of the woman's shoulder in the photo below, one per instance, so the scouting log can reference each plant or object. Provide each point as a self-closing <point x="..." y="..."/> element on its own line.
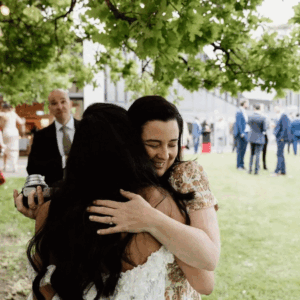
<point x="190" y="177"/>
<point x="188" y="169"/>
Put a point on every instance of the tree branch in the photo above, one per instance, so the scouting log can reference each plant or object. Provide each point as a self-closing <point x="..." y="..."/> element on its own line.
<point x="117" y="14"/>
<point x="145" y="66"/>
<point x="73" y="3"/>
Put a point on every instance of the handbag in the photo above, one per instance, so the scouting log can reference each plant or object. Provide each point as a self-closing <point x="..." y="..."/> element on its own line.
<point x="2" y="178"/>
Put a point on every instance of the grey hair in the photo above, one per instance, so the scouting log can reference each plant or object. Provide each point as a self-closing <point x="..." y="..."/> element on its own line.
<point x="60" y="90"/>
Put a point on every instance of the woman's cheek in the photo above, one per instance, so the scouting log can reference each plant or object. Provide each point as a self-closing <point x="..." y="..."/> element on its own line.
<point x="149" y="151"/>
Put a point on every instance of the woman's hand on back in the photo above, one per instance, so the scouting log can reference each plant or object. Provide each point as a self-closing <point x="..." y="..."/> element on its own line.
<point x="135" y="215"/>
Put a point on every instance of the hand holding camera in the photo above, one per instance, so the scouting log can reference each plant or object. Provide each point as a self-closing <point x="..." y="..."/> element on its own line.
<point x="34" y="193"/>
<point x="32" y="182"/>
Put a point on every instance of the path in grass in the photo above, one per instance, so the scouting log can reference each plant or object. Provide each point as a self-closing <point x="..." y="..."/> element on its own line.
<point x="258" y="219"/>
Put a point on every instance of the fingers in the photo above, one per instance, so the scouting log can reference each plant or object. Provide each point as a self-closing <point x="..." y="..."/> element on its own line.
<point x="101" y="210"/>
<point x="40" y="195"/>
<point x="15" y="196"/>
<point x="110" y="230"/>
<point x="31" y="203"/>
<point x="107" y="203"/>
<point x="104" y="220"/>
<point x="128" y="195"/>
<point x="19" y="203"/>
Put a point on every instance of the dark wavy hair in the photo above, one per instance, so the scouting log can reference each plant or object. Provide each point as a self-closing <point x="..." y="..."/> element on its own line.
<point x="157" y="108"/>
<point x="106" y="155"/>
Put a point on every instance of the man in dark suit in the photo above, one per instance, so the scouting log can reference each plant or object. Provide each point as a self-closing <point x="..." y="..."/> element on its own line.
<point x="241" y="133"/>
<point x="282" y="134"/>
<point x="196" y="132"/>
<point x="51" y="145"/>
<point x="258" y="126"/>
<point x="295" y="131"/>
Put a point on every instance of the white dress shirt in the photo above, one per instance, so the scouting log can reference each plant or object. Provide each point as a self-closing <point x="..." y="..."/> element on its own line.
<point x="70" y="126"/>
<point x="247" y="128"/>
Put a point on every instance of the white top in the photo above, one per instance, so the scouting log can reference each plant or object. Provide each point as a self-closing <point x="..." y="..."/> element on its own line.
<point x="70" y="126"/>
<point x="144" y="282"/>
<point x="10" y="127"/>
<point x="247" y="129"/>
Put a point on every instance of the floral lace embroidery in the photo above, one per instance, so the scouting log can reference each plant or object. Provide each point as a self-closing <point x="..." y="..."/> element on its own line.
<point x="190" y="177"/>
<point x="144" y="282"/>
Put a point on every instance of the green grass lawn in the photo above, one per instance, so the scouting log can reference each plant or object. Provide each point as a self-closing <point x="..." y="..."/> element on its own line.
<point x="258" y="219"/>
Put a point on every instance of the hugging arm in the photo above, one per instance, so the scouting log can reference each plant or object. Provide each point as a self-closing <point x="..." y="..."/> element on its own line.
<point x="190" y="244"/>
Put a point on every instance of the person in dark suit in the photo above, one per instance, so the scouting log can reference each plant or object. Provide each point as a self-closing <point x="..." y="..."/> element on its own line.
<point x="282" y="134"/>
<point x="291" y="137"/>
<point x="51" y="145"/>
<point x="196" y="132"/>
<point x="295" y="131"/>
<point x="258" y="125"/>
<point x="233" y="131"/>
<point x="241" y="133"/>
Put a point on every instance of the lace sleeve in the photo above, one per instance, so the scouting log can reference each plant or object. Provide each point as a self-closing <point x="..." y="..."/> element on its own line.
<point x="190" y="177"/>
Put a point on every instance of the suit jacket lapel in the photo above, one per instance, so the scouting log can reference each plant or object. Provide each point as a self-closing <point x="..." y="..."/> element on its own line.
<point x="53" y="139"/>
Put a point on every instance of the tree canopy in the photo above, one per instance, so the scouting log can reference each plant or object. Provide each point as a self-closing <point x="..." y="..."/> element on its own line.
<point x="39" y="50"/>
<point x="169" y="38"/>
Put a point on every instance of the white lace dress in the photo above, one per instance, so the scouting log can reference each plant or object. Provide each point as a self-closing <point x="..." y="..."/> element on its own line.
<point x="144" y="282"/>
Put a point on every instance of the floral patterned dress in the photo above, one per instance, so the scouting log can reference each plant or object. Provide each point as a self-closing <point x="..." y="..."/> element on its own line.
<point x="187" y="177"/>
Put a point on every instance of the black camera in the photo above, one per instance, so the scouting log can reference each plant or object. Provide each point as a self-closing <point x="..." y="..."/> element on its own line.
<point x="32" y="182"/>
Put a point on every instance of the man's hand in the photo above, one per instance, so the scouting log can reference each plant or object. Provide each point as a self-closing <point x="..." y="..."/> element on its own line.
<point x="33" y="209"/>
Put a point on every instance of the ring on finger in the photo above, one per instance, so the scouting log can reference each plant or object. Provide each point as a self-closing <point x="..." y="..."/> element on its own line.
<point x="111" y="222"/>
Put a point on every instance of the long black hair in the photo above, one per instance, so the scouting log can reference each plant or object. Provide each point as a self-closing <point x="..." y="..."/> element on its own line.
<point x="106" y="155"/>
<point x="157" y="108"/>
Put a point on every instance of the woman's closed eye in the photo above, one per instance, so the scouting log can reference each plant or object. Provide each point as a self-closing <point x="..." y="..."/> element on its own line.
<point x="152" y="146"/>
<point x="173" y="145"/>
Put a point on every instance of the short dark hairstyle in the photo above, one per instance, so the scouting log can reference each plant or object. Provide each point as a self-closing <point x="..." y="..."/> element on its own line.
<point x="257" y="106"/>
<point x="106" y="155"/>
<point x="243" y="102"/>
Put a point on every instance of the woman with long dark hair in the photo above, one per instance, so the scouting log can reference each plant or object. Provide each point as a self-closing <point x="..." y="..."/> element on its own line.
<point x="68" y="259"/>
<point x="193" y="237"/>
<point x="195" y="244"/>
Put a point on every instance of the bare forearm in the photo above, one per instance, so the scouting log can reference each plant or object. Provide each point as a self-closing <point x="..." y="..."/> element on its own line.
<point x="189" y="244"/>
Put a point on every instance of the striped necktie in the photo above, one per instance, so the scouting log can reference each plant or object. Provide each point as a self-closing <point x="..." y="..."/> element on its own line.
<point x="66" y="140"/>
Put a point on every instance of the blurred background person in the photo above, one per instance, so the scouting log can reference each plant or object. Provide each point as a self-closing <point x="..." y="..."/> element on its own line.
<point x="295" y="131"/>
<point x="264" y="151"/>
<point x="258" y="128"/>
<point x="206" y="131"/>
<point x="232" y="131"/>
<point x="2" y="145"/>
<point x="282" y="134"/>
<point x="11" y="136"/>
<point x="241" y="133"/>
<point x="220" y="132"/>
<point x="291" y="137"/>
<point x="185" y="143"/>
<point x="196" y="132"/>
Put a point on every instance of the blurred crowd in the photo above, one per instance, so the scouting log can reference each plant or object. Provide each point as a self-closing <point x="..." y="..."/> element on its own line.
<point x="256" y="129"/>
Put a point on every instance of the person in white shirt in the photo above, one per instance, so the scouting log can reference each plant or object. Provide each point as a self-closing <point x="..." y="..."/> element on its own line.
<point x="11" y="135"/>
<point x="52" y="144"/>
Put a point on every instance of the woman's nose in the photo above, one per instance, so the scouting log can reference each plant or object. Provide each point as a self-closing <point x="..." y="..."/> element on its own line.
<point x="163" y="153"/>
